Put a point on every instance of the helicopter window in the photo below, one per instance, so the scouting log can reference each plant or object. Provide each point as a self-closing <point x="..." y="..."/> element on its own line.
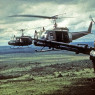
<point x="17" y="39"/>
<point x="51" y="34"/>
<point x="20" y="40"/>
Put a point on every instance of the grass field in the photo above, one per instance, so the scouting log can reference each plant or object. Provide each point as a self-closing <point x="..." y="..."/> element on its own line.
<point x="46" y="73"/>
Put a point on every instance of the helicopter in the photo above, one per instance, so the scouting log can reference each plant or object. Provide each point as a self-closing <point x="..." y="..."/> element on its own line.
<point x="60" y="37"/>
<point x="21" y="41"/>
<point x="58" y="34"/>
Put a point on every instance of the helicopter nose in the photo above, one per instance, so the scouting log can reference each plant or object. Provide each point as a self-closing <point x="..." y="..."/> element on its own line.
<point x="9" y="42"/>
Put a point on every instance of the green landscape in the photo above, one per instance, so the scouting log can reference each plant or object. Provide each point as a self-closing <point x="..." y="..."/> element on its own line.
<point x="46" y="73"/>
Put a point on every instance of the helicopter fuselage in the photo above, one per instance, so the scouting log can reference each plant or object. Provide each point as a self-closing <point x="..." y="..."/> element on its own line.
<point x="21" y="41"/>
<point x="58" y="34"/>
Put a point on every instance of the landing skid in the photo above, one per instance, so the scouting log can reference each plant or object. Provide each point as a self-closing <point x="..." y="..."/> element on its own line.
<point x="19" y="47"/>
<point x="47" y="50"/>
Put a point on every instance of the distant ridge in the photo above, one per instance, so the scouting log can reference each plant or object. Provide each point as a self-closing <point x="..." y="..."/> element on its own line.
<point x="8" y="50"/>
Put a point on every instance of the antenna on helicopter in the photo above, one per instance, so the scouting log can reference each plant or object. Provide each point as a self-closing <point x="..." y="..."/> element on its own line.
<point x="36" y="35"/>
<point x="43" y="29"/>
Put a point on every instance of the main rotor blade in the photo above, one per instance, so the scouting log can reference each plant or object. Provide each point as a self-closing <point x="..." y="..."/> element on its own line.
<point x="39" y="16"/>
<point x="47" y="17"/>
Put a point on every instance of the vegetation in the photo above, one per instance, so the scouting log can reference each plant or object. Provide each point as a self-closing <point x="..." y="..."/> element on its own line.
<point x="46" y="73"/>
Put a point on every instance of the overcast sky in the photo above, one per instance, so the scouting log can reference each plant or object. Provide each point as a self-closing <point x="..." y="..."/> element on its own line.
<point x="80" y="9"/>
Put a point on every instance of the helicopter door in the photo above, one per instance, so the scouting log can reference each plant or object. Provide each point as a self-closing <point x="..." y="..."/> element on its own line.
<point x="65" y="37"/>
<point x="62" y="36"/>
<point x="59" y="36"/>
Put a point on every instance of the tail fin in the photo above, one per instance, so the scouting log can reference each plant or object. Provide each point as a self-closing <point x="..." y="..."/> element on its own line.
<point x="76" y="35"/>
<point x="90" y="27"/>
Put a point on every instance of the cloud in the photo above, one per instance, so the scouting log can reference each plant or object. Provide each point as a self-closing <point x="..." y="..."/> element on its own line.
<point x="80" y="9"/>
<point x="67" y="2"/>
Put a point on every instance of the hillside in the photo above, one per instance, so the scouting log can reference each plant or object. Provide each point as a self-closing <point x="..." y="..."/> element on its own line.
<point x="26" y="72"/>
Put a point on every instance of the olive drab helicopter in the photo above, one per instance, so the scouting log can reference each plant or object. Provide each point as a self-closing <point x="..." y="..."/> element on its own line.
<point x="21" y="41"/>
<point x="60" y="37"/>
<point x="58" y="34"/>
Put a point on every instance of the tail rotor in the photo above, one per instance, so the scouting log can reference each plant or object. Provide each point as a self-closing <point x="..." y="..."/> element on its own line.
<point x="92" y="19"/>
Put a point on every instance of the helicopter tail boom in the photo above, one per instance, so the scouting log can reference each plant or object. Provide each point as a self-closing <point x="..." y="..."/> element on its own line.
<point x="76" y="35"/>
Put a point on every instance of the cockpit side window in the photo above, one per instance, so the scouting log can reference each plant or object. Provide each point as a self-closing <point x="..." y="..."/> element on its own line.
<point x="17" y="39"/>
<point x="51" y="34"/>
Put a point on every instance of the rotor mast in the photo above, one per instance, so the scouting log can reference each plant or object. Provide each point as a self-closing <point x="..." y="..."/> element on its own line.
<point x="22" y="31"/>
<point x="55" y="24"/>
